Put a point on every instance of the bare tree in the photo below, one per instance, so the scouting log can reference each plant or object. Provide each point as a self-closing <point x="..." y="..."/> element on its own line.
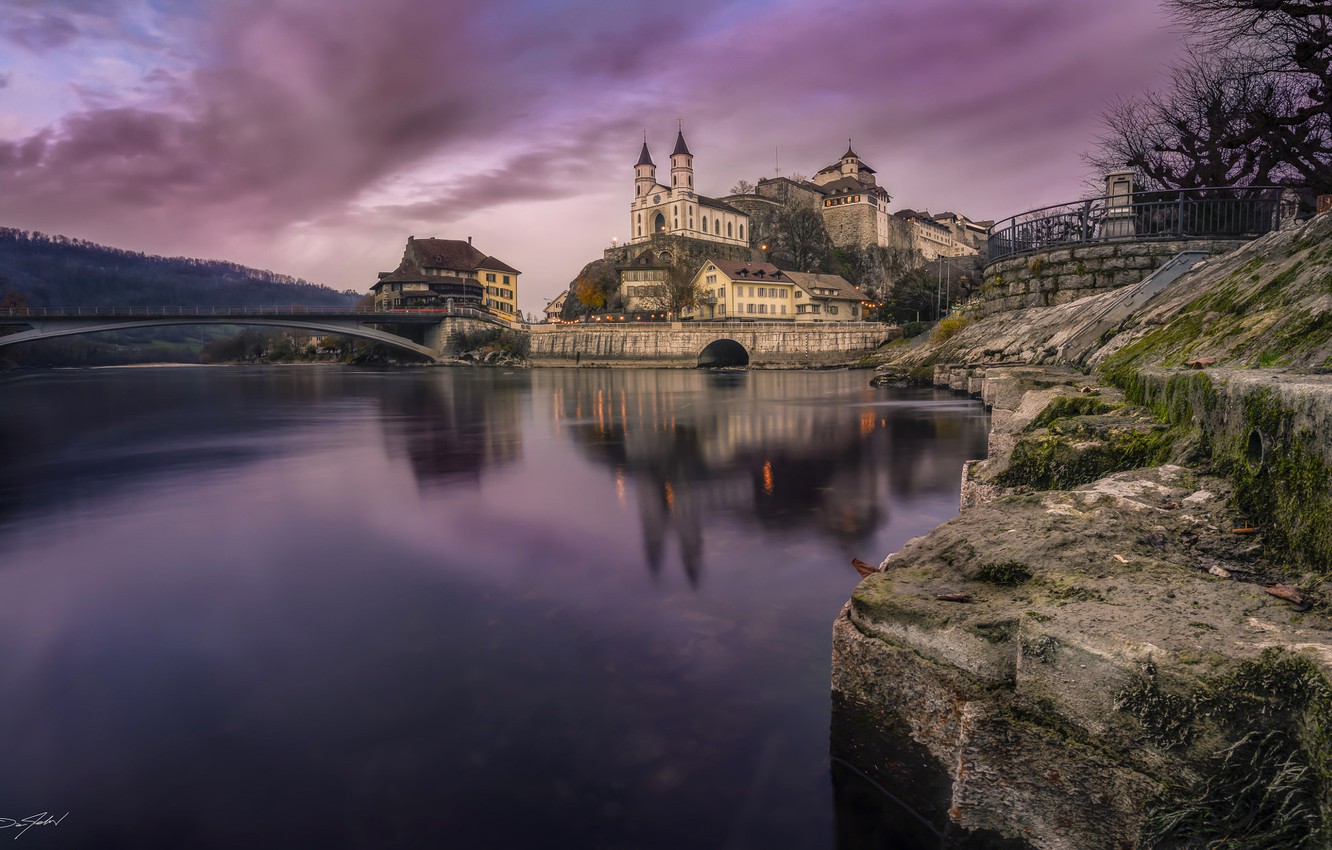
<point x="742" y="187"/>
<point x="798" y="239"/>
<point x="677" y="293"/>
<point x="1250" y="106"/>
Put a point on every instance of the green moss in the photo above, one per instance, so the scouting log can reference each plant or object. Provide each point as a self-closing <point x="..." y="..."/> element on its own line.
<point x="1287" y="489"/>
<point x="1042" y="648"/>
<point x="1067" y="457"/>
<point x="1001" y="631"/>
<point x="1166" y="716"/>
<point x="1272" y="785"/>
<point x="1039" y="617"/>
<point x="1064" y="406"/>
<point x="1004" y="573"/>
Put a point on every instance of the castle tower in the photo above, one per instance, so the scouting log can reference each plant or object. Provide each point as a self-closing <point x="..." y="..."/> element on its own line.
<point x="850" y="162"/>
<point x="682" y="165"/>
<point x="645" y="172"/>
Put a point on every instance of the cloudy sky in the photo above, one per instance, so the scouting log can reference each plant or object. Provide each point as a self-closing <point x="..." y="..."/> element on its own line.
<point x="312" y="136"/>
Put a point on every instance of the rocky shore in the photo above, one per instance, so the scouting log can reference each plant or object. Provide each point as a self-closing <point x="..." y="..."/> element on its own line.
<point x="1124" y="638"/>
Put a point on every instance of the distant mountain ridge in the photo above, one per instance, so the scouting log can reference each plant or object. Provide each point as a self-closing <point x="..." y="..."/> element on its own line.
<point x="60" y="271"/>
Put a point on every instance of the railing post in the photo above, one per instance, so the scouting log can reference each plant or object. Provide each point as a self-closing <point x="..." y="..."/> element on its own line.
<point x="1086" y="221"/>
<point x="1179" y="227"/>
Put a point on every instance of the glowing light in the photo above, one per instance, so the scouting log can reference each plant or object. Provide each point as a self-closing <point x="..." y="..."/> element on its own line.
<point x="767" y="477"/>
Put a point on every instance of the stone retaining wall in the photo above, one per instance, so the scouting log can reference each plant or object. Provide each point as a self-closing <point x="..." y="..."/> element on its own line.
<point x="1059" y="275"/>
<point x="679" y="345"/>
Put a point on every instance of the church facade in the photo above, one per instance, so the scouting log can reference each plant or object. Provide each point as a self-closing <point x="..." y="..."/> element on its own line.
<point x="677" y="209"/>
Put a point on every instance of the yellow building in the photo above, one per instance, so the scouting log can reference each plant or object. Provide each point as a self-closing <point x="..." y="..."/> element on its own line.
<point x="441" y="273"/>
<point x="733" y="290"/>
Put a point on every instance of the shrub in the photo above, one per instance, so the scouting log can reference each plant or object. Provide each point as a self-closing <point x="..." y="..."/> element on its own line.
<point x="949" y="328"/>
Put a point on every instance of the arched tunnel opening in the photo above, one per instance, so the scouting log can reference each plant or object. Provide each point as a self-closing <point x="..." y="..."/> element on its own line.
<point x="723" y="352"/>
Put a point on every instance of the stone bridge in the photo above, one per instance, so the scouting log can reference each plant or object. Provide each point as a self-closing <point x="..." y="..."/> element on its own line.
<point x="425" y="332"/>
<point x="708" y="343"/>
<point x="436" y="334"/>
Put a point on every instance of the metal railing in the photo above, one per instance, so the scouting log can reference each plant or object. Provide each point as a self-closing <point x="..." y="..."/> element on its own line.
<point x="1245" y="212"/>
<point x="384" y="314"/>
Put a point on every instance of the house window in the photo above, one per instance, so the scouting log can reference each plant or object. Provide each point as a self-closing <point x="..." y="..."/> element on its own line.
<point x="506" y="278"/>
<point x="490" y="278"/>
<point x="763" y="308"/>
<point x="721" y="309"/>
<point x="749" y="308"/>
<point x="783" y="309"/>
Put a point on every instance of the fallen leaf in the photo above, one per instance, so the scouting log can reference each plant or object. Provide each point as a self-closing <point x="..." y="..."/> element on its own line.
<point x="1170" y="506"/>
<point x="1121" y="559"/>
<point x="954" y="597"/>
<point x="863" y="568"/>
<point x="1245" y="530"/>
<point x="1287" y="592"/>
<point x="1220" y="572"/>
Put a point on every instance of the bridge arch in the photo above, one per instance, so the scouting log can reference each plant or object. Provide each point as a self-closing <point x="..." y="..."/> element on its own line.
<point x="50" y="330"/>
<point x="723" y="352"/>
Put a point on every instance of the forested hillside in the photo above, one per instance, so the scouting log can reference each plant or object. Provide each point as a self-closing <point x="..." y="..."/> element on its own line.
<point x="58" y="271"/>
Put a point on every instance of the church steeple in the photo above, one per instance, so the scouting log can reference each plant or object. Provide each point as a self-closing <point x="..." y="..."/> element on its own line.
<point x="682" y="164"/>
<point x="645" y="171"/>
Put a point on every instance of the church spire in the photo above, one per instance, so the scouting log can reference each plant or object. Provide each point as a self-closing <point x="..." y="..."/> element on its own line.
<point x="680" y="146"/>
<point x="645" y="158"/>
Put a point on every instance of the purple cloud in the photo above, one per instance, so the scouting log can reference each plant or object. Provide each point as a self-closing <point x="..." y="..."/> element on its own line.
<point x="350" y="120"/>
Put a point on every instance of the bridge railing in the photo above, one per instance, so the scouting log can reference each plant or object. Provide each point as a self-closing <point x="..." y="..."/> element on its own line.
<point x="387" y="315"/>
<point x="1216" y="212"/>
<point x="707" y="325"/>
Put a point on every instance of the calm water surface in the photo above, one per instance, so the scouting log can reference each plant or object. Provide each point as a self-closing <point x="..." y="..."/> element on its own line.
<point x="320" y="607"/>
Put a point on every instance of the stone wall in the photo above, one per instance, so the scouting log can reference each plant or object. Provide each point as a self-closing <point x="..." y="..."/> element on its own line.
<point x="852" y="224"/>
<point x="678" y="344"/>
<point x="1059" y="275"/>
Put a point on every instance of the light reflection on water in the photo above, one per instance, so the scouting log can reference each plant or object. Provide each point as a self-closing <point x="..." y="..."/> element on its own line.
<point x="327" y="607"/>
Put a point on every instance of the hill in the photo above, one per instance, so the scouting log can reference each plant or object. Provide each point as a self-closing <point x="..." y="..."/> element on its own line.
<point x="59" y="271"/>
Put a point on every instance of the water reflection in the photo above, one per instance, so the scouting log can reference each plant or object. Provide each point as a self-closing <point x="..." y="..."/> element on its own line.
<point x="778" y="452"/>
<point x="453" y="429"/>
<point x="398" y="608"/>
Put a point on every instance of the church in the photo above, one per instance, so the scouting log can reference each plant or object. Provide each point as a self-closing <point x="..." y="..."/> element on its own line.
<point x="677" y="210"/>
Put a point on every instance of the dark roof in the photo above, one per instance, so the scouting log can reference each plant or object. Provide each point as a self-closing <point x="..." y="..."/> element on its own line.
<point x="405" y="273"/>
<point x="844" y="290"/>
<point x="646" y="259"/>
<point x="497" y="265"/>
<point x="452" y="254"/>
<point x="736" y="270"/>
<point x="704" y="201"/>
<point x="849" y="151"/>
<point x="645" y="158"/>
<point x="847" y="184"/>
<point x="680" y="146"/>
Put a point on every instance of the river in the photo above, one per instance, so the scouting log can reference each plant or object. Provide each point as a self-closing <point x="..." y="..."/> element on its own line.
<point x="330" y="607"/>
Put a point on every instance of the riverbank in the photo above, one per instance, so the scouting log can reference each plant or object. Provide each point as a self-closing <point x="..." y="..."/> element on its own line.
<point x="1123" y="639"/>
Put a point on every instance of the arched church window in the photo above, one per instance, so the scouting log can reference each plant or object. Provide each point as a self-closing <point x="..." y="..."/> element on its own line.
<point x="742" y="231"/>
<point x="705" y="224"/>
<point x="660" y="224"/>
<point x="728" y="230"/>
<point x="691" y="181"/>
